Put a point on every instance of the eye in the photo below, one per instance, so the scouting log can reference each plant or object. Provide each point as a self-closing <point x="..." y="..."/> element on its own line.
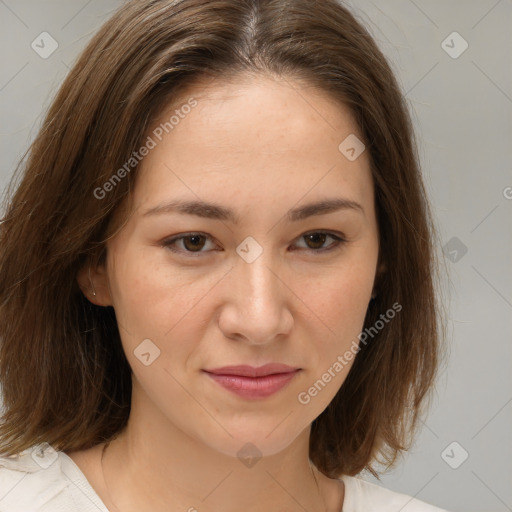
<point x="193" y="243"/>
<point x="316" y="239"/>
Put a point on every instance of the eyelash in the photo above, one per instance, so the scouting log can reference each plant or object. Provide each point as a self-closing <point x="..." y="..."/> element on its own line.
<point x="169" y="243"/>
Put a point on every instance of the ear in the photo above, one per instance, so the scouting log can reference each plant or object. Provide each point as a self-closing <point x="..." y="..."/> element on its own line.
<point x="381" y="269"/>
<point x="93" y="281"/>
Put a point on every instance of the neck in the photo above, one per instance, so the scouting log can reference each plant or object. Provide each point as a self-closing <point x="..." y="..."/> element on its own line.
<point x="156" y="466"/>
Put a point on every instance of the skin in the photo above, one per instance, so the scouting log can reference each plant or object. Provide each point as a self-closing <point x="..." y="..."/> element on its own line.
<point x="259" y="146"/>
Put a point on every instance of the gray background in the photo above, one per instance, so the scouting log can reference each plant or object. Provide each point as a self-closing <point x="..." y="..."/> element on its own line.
<point x="462" y="111"/>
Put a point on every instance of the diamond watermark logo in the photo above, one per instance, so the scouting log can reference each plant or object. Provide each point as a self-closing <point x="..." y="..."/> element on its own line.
<point x="454" y="249"/>
<point x="249" y="455"/>
<point x="454" y="45"/>
<point x="146" y="352"/>
<point x="44" y="455"/>
<point x="249" y="250"/>
<point x="351" y="147"/>
<point x="44" y="45"/>
<point x="454" y="455"/>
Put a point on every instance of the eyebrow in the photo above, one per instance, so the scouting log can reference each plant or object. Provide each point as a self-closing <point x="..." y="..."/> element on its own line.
<point x="214" y="211"/>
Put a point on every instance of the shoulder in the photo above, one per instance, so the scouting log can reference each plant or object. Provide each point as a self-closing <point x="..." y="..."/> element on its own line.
<point x="41" y="479"/>
<point x="363" y="495"/>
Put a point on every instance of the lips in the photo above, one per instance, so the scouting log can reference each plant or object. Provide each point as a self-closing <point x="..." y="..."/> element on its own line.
<point x="249" y="382"/>
<point x="251" y="371"/>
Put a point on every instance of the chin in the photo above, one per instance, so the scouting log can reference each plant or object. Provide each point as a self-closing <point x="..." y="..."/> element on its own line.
<point x="252" y="442"/>
<point x="250" y="449"/>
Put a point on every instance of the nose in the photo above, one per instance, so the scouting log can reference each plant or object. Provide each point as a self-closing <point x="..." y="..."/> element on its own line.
<point x="257" y="306"/>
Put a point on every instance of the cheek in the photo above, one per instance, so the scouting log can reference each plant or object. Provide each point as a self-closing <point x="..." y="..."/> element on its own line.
<point x="341" y="304"/>
<point x="341" y="298"/>
<point x="153" y="301"/>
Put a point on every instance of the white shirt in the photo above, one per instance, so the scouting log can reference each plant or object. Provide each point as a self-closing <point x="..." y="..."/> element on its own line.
<point x="41" y="479"/>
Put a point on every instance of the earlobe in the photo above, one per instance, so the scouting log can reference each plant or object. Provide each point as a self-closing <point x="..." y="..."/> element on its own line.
<point x="93" y="281"/>
<point x="92" y="284"/>
<point x="381" y="269"/>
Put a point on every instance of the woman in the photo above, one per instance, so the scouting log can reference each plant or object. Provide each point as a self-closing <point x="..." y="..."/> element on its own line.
<point x="217" y="272"/>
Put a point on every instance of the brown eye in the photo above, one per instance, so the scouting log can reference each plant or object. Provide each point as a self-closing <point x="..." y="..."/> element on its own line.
<point x="315" y="240"/>
<point x="194" y="242"/>
<point x="191" y="244"/>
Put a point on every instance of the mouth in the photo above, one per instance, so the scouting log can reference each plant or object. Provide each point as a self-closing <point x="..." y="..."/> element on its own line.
<point x="251" y="371"/>
<point x="253" y="383"/>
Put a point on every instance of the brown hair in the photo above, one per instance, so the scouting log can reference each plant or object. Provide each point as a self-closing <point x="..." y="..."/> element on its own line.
<point x="64" y="376"/>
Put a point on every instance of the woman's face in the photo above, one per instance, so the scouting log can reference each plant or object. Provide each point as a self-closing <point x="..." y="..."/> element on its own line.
<point x="233" y="278"/>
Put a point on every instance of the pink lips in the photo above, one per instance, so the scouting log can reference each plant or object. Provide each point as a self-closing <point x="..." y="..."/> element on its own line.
<point x="249" y="382"/>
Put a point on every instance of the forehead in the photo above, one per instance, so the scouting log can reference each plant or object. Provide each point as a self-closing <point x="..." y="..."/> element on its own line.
<point x="262" y="106"/>
<point x="251" y="138"/>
